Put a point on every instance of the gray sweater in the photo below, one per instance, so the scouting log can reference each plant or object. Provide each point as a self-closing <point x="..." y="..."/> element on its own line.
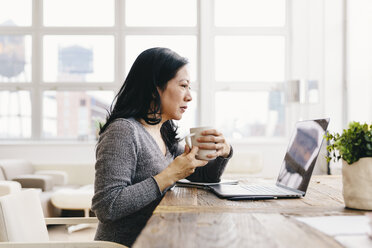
<point x="126" y="192"/>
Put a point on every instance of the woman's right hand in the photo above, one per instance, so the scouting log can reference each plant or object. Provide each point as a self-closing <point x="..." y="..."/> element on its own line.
<point x="181" y="167"/>
<point x="185" y="164"/>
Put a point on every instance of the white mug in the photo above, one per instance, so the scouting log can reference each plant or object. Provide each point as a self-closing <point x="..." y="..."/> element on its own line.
<point x="191" y="140"/>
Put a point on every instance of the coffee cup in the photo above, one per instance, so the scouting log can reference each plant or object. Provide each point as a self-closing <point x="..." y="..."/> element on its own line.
<point x="191" y="140"/>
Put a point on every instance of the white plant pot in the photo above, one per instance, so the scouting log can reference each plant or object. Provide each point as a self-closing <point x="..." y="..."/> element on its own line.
<point x="357" y="184"/>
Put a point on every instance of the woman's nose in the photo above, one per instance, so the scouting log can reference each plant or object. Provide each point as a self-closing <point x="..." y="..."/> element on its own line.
<point x="188" y="97"/>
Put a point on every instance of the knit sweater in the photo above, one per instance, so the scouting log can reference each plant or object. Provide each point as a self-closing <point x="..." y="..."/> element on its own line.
<point x="126" y="192"/>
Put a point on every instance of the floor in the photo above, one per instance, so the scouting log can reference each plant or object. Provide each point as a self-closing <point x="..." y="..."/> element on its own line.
<point x="60" y="233"/>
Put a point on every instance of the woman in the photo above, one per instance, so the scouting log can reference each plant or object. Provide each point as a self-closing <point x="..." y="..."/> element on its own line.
<point x="138" y="157"/>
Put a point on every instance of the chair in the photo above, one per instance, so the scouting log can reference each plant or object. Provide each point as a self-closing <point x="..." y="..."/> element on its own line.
<point x="9" y="187"/>
<point x="23" y="172"/>
<point x="22" y="224"/>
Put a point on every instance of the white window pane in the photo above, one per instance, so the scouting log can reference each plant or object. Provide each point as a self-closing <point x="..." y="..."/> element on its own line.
<point x="15" y="114"/>
<point x="250" y="114"/>
<point x="261" y="13"/>
<point x="74" y="114"/>
<point x="15" y="58"/>
<point x="189" y="118"/>
<point x="183" y="45"/>
<point x="359" y="61"/>
<point x="78" y="58"/>
<point x="250" y="58"/>
<point x="11" y="14"/>
<point x="81" y="13"/>
<point x="160" y="13"/>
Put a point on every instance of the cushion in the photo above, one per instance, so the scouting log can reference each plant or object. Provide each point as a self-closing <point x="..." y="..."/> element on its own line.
<point x="80" y="198"/>
<point x="42" y="182"/>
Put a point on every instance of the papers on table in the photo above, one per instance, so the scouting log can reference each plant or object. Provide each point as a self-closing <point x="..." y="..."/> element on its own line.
<point x="339" y="225"/>
<point x="350" y="231"/>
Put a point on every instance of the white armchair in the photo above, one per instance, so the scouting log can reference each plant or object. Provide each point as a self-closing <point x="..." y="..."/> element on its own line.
<point x="8" y="187"/>
<point x="22" y="224"/>
<point x="23" y="172"/>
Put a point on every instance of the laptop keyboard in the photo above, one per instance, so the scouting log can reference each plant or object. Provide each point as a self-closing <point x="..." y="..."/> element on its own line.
<point x="263" y="189"/>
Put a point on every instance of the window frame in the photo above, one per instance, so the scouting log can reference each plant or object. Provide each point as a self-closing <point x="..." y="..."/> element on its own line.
<point x="205" y="32"/>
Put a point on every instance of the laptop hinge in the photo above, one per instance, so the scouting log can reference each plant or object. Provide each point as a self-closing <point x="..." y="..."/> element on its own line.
<point x="291" y="189"/>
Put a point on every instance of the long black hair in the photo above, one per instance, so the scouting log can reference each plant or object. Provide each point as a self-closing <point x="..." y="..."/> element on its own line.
<point x="139" y="97"/>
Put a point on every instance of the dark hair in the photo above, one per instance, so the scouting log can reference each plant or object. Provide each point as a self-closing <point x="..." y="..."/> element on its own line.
<point x="139" y="97"/>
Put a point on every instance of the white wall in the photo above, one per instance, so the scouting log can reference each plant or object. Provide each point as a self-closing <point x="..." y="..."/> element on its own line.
<point x="50" y="153"/>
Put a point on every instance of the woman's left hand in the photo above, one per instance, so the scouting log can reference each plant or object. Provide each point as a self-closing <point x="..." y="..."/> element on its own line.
<point x="219" y="143"/>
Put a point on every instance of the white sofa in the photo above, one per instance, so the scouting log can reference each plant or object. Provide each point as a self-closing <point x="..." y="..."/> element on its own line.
<point x="9" y="187"/>
<point x="22" y="171"/>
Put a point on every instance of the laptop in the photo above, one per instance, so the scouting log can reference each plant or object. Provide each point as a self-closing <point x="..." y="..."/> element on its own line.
<point x="295" y="173"/>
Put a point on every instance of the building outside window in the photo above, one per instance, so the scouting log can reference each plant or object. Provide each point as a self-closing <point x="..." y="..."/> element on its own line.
<point x="59" y="75"/>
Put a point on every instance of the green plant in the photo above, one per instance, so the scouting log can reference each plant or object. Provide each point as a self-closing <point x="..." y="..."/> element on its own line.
<point x="354" y="143"/>
<point x="99" y="124"/>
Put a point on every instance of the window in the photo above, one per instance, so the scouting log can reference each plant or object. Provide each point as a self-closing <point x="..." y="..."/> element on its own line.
<point x="185" y="45"/>
<point x="250" y="13"/>
<point x="74" y="114"/>
<point x="250" y="41"/>
<point x="58" y="75"/>
<point x="254" y="113"/>
<point x="160" y="13"/>
<point x="12" y="15"/>
<point x="15" y="58"/>
<point x="15" y="114"/>
<point x="78" y="58"/>
<point x="250" y="58"/>
<point x="99" y="14"/>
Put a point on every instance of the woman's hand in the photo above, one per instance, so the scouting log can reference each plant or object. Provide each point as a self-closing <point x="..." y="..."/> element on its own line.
<point x="185" y="164"/>
<point x="214" y="140"/>
<point x="181" y="167"/>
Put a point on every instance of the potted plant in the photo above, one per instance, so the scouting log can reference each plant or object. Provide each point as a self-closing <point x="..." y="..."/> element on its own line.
<point x="354" y="147"/>
<point x="98" y="125"/>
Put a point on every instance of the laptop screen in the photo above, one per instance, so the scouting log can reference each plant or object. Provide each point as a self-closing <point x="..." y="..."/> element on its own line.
<point x="302" y="153"/>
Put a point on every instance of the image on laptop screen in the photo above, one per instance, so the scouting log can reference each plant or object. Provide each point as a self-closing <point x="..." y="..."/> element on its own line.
<point x="301" y="154"/>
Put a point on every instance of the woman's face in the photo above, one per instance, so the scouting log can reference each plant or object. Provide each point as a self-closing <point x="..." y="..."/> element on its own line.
<point x="176" y="95"/>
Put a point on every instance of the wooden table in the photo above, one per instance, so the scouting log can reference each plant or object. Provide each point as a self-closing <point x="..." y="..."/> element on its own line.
<point x="190" y="217"/>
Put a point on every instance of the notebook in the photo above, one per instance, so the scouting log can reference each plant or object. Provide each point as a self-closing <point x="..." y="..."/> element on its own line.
<point x="203" y="185"/>
<point x="295" y="173"/>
